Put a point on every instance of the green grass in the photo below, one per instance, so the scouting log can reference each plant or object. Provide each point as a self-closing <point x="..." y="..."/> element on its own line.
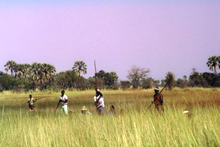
<point x="137" y="127"/>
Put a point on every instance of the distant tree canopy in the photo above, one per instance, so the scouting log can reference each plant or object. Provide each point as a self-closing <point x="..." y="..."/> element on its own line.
<point x="108" y="79"/>
<point x="37" y="75"/>
<point x="137" y="75"/>
<point x="182" y="83"/>
<point x="170" y="80"/>
<point x="43" y="76"/>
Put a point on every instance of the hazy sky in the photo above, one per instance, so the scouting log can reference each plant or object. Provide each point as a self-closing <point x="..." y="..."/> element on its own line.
<point x="162" y="36"/>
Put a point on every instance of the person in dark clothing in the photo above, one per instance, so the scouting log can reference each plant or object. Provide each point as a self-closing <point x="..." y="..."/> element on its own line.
<point x="158" y="100"/>
<point x="31" y="102"/>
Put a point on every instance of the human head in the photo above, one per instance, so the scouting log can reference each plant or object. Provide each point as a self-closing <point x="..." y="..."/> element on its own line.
<point x="83" y="110"/>
<point x="156" y="89"/>
<point x="97" y="90"/>
<point x="62" y="92"/>
<point x="112" y="107"/>
<point x="30" y="96"/>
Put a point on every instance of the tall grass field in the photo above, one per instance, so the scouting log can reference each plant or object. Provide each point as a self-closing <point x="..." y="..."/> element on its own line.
<point x="137" y="126"/>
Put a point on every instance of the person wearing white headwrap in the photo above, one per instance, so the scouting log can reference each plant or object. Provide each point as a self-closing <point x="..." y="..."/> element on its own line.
<point x="99" y="102"/>
<point x="158" y="100"/>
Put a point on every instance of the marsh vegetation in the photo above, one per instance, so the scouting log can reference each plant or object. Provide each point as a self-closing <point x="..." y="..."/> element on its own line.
<point x="138" y="126"/>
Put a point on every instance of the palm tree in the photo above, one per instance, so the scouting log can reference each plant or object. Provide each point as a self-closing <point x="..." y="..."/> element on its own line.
<point x="10" y="65"/>
<point x="36" y="73"/>
<point x="43" y="73"/>
<point x="22" y="70"/>
<point x="48" y="71"/>
<point x="26" y="70"/>
<point x="213" y="63"/>
<point x="80" y="67"/>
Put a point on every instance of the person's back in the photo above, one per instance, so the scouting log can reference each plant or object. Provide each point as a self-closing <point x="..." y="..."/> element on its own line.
<point x="99" y="102"/>
<point x="158" y="100"/>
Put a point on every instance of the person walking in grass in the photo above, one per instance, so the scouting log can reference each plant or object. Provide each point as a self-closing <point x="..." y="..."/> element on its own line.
<point x="99" y="102"/>
<point x="63" y="101"/>
<point x="158" y="100"/>
<point x="31" y="102"/>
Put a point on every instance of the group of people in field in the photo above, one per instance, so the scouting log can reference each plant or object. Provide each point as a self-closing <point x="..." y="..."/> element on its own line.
<point x="99" y="103"/>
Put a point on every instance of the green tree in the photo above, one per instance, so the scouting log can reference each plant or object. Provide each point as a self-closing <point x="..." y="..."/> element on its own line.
<point x="10" y="65"/>
<point x="196" y="79"/>
<point x="107" y="79"/>
<point x="136" y="75"/>
<point x="90" y="82"/>
<point x="210" y="78"/>
<point x="23" y="70"/>
<point x="42" y="74"/>
<point x="125" y="84"/>
<point x="213" y="63"/>
<point x="80" y="67"/>
<point x="148" y="83"/>
<point x="170" y="80"/>
<point x="6" y="81"/>
<point x="37" y="74"/>
<point x="100" y="79"/>
<point x="67" y="79"/>
<point x="182" y="83"/>
<point x="48" y="72"/>
<point x="111" y="78"/>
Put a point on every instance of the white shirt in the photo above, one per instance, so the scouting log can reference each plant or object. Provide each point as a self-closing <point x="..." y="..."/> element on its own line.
<point x="100" y="102"/>
<point x="64" y="97"/>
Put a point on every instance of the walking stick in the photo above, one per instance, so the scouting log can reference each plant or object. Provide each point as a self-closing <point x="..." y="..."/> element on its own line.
<point x="158" y="93"/>
<point x="96" y="86"/>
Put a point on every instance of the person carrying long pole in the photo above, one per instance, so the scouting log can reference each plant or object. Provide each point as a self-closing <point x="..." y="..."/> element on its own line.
<point x="158" y="98"/>
<point x="63" y="101"/>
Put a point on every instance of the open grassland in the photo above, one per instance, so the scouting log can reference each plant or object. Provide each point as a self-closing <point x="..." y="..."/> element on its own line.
<point x="138" y="126"/>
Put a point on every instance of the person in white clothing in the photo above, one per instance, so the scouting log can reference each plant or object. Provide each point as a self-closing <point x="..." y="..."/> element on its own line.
<point x="63" y="101"/>
<point x="99" y="102"/>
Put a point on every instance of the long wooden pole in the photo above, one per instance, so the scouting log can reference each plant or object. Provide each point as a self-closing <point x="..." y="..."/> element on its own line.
<point x="95" y="74"/>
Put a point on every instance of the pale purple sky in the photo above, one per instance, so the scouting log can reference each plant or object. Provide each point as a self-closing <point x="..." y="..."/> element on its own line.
<point x="156" y="35"/>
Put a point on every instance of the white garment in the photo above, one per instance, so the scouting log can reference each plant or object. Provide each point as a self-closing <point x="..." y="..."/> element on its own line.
<point x="100" y="102"/>
<point x="63" y="98"/>
<point x="31" y="101"/>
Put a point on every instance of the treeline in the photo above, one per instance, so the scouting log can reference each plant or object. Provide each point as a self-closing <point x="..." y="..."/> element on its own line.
<point x="43" y="76"/>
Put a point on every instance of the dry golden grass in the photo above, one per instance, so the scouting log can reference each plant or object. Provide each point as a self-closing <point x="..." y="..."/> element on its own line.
<point x="137" y="127"/>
